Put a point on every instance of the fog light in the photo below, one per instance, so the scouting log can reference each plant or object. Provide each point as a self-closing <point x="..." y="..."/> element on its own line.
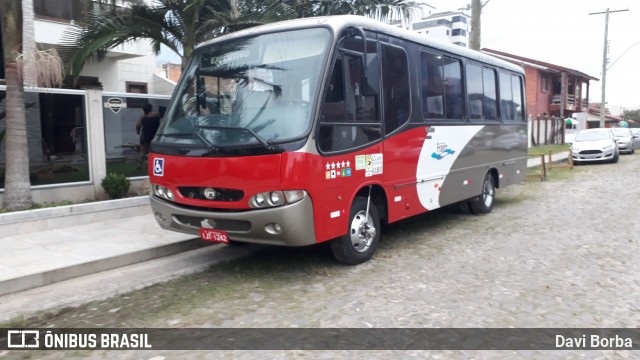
<point x="169" y="194"/>
<point x="273" y="229"/>
<point x="160" y="218"/>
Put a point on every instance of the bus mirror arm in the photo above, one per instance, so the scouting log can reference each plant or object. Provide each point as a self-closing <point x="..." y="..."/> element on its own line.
<point x="358" y="31"/>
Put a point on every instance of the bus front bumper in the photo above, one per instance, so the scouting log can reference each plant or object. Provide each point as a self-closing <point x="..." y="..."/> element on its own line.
<point x="295" y="221"/>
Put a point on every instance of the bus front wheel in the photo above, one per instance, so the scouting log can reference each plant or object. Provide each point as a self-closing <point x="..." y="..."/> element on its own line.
<point x="483" y="203"/>
<point x="361" y="241"/>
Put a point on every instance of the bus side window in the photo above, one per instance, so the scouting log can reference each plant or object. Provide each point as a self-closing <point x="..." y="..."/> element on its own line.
<point x="335" y="90"/>
<point x="490" y="109"/>
<point x="475" y="93"/>
<point x="396" y="88"/>
<point x="516" y="87"/>
<point x="506" y="98"/>
<point x="432" y="86"/>
<point x="441" y="87"/>
<point x="348" y="117"/>
<point x="453" y="88"/>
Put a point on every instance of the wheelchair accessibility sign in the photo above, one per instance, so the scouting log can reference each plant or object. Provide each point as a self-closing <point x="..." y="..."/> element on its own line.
<point x="158" y="167"/>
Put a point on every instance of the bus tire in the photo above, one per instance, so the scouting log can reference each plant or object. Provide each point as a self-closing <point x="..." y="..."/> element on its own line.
<point x="483" y="203"/>
<point x="361" y="240"/>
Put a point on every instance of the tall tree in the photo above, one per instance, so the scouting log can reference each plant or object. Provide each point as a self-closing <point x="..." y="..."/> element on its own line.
<point x="17" y="193"/>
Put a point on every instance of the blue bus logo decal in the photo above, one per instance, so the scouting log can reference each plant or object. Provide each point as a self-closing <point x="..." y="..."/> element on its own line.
<point x="158" y="167"/>
<point x="442" y="151"/>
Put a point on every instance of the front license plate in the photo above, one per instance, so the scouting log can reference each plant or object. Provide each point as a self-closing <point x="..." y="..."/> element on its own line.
<point x="217" y="236"/>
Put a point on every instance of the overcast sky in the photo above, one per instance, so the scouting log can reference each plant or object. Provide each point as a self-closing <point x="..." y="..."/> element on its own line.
<point x="562" y="32"/>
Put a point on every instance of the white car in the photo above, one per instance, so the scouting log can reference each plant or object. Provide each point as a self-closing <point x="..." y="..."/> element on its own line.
<point x="594" y="145"/>
<point x="624" y="138"/>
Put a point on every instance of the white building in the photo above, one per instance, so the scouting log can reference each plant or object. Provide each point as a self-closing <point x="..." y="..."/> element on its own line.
<point x="128" y="68"/>
<point x="447" y="26"/>
<point x="450" y="26"/>
<point x="76" y="136"/>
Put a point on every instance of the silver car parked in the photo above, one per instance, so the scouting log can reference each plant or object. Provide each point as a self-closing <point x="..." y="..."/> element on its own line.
<point x="594" y="145"/>
<point x="624" y="138"/>
<point x="636" y="137"/>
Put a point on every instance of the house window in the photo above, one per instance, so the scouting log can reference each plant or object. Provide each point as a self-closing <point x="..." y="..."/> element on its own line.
<point x="543" y="85"/>
<point x="65" y="10"/>
<point x="459" y="32"/>
<point x="136" y="87"/>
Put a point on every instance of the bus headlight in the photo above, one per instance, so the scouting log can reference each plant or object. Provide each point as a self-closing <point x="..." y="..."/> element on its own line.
<point x="162" y="192"/>
<point x="158" y="190"/>
<point x="259" y="200"/>
<point x="276" y="198"/>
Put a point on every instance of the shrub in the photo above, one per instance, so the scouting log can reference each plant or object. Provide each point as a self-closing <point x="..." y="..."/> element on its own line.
<point x="116" y="185"/>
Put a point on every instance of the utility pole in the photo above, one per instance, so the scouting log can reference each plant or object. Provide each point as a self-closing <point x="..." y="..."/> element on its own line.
<point x="604" y="60"/>
<point x="476" y="10"/>
<point x="474" y="40"/>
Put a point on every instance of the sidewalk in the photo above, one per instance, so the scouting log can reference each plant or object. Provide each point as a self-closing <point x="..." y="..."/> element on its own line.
<point x="45" y="246"/>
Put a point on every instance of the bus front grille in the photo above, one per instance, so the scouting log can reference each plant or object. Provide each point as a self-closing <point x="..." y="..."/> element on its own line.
<point x="210" y="193"/>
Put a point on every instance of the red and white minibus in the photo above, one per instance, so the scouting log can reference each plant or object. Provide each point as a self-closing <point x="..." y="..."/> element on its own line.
<point x="321" y="129"/>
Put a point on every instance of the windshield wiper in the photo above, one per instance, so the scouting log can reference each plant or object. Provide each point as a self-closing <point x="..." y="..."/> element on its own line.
<point x="262" y="141"/>
<point x="210" y="147"/>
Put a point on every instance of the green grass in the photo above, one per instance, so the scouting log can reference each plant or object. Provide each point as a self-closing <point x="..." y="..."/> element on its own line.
<point x="544" y="149"/>
<point x="559" y="171"/>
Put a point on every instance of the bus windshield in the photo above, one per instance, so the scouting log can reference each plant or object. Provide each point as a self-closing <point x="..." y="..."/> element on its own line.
<point x="247" y="92"/>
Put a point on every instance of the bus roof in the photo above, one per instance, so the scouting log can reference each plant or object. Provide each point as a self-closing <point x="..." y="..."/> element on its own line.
<point x="339" y="22"/>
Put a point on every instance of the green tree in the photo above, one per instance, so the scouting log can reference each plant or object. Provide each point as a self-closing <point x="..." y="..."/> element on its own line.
<point x="178" y="24"/>
<point x="632" y="114"/>
<point x="182" y="24"/>
<point x="17" y="193"/>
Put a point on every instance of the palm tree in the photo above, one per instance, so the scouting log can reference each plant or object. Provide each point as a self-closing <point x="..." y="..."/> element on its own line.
<point x="17" y="194"/>
<point x="182" y="24"/>
<point x="383" y="10"/>
<point x="178" y="24"/>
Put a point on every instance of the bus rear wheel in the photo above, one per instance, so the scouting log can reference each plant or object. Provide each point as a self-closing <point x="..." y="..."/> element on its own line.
<point x="483" y="203"/>
<point x="361" y="241"/>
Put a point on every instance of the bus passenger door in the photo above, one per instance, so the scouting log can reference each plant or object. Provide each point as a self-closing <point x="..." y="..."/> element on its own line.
<point x="402" y="145"/>
<point x="349" y="131"/>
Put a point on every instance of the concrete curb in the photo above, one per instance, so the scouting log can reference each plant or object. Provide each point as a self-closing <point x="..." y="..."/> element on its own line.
<point x="73" y="271"/>
<point x="24" y="222"/>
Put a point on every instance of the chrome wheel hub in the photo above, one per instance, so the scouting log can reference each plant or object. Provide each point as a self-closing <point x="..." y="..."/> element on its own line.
<point x="362" y="232"/>
<point x="487" y="194"/>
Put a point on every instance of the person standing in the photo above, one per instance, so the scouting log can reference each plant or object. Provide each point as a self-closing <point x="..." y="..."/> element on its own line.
<point x="146" y="127"/>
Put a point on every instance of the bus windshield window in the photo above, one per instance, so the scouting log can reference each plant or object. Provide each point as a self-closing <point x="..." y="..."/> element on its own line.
<point x="248" y="91"/>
